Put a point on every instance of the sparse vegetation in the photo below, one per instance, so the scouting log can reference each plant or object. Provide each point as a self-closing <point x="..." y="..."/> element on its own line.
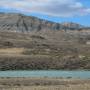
<point x="43" y="51"/>
<point x="43" y="84"/>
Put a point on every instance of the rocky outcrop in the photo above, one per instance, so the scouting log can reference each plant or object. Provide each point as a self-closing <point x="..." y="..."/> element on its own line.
<point x="21" y="23"/>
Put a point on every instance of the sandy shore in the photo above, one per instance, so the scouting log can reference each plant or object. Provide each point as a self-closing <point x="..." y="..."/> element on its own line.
<point x="43" y="84"/>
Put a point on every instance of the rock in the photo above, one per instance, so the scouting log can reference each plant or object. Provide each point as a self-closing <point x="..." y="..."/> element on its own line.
<point x="21" y="23"/>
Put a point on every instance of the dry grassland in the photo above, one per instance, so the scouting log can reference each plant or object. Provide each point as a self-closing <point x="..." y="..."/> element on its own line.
<point x="43" y="84"/>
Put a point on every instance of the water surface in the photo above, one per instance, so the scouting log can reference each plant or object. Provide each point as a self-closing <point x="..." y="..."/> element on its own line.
<point x="46" y="73"/>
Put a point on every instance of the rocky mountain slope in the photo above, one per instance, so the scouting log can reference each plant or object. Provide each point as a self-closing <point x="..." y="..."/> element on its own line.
<point x="22" y="23"/>
<point x="45" y="49"/>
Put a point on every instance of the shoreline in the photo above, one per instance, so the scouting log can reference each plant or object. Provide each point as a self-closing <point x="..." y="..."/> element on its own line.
<point x="44" y="84"/>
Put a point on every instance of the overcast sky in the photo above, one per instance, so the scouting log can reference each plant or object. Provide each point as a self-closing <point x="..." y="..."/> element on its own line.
<point x="53" y="10"/>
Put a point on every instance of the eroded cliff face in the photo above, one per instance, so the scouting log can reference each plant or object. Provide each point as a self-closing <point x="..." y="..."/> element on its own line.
<point x="21" y="23"/>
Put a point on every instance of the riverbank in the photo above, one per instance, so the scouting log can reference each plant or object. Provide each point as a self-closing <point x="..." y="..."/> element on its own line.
<point x="41" y="62"/>
<point x="43" y="84"/>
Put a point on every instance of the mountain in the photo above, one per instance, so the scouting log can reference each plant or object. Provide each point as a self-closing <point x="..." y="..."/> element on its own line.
<point x="47" y="49"/>
<point x="21" y="23"/>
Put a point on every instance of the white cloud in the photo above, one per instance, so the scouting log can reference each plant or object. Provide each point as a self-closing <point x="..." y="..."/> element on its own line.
<point x="61" y="8"/>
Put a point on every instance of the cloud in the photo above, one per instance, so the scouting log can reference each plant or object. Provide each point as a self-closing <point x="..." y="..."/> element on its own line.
<point x="60" y="8"/>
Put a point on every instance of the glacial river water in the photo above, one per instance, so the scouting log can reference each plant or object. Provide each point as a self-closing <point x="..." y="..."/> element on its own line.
<point x="46" y="73"/>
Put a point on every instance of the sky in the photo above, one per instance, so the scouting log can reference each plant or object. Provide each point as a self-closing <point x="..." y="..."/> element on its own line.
<point x="77" y="11"/>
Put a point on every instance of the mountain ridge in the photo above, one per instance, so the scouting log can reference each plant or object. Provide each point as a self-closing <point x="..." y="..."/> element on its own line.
<point x="21" y="23"/>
